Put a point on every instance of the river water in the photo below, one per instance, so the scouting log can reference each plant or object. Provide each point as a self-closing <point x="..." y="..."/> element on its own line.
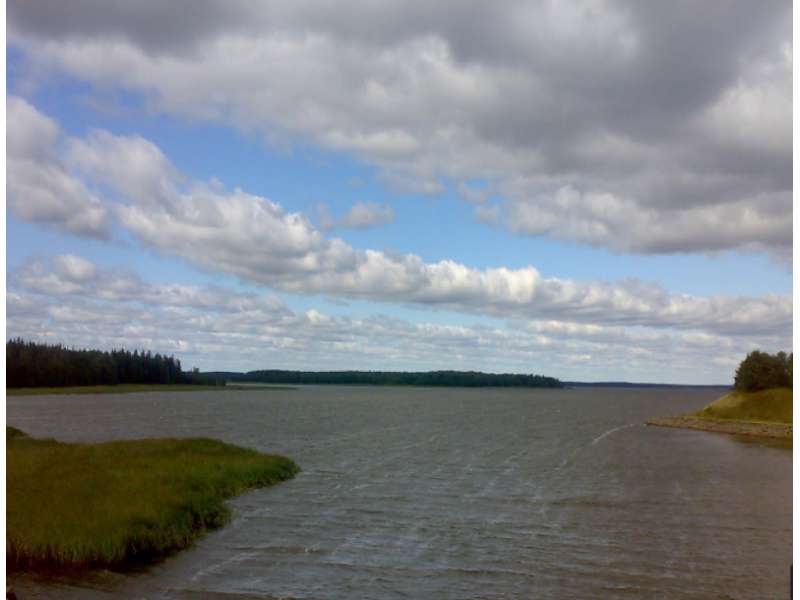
<point x="458" y="493"/>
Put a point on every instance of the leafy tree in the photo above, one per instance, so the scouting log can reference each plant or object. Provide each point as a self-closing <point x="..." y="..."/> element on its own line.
<point x="761" y="371"/>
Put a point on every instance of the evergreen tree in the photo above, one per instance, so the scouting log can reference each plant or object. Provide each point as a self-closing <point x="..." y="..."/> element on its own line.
<point x="29" y="364"/>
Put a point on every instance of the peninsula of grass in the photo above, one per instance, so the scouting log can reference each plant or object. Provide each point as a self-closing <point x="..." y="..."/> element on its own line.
<point x="117" y="504"/>
<point x="765" y="406"/>
<point x="129" y="388"/>
<point x="766" y="413"/>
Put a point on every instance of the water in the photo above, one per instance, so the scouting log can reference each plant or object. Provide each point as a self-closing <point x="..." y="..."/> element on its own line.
<point x="459" y="493"/>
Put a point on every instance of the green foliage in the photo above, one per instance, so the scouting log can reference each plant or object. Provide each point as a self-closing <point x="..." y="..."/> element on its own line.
<point x="81" y="505"/>
<point x="762" y="371"/>
<point x="771" y="406"/>
<point x="29" y="364"/>
<point x="430" y="378"/>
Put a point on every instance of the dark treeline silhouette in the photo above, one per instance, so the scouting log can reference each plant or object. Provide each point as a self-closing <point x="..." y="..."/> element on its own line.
<point x="29" y="364"/>
<point x="430" y="378"/>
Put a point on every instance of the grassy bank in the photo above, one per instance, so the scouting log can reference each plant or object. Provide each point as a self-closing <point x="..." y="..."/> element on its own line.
<point x="127" y="388"/>
<point x="72" y="506"/>
<point x="766" y="406"/>
<point x="761" y="429"/>
<point x="766" y="413"/>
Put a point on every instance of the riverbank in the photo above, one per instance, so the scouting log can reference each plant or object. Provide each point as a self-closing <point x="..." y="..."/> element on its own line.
<point x="766" y="413"/>
<point x="761" y="429"/>
<point x="129" y="388"/>
<point x="72" y="507"/>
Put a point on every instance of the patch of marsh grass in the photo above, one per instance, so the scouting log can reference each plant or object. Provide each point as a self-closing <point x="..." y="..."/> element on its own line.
<point x="89" y="505"/>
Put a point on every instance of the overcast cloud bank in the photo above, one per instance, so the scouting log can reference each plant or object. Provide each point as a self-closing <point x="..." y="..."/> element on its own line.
<point x="640" y="127"/>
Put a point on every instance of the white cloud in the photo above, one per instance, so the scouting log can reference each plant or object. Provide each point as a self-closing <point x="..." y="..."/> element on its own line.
<point x="218" y="328"/>
<point x="69" y="275"/>
<point x="132" y="165"/>
<point x="603" y="219"/>
<point x="362" y="215"/>
<point x="39" y="187"/>
<point x="257" y="240"/>
<point x="473" y="195"/>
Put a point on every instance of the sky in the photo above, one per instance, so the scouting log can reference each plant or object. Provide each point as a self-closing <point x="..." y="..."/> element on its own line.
<point x="587" y="190"/>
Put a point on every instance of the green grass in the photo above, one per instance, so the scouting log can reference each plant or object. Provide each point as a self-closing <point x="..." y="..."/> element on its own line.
<point x="127" y="388"/>
<point x="766" y="406"/>
<point x="73" y="506"/>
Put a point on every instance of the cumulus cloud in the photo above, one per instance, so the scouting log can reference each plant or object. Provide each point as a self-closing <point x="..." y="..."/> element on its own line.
<point x="603" y="219"/>
<point x="635" y="127"/>
<point x="257" y="240"/>
<point x="69" y="299"/>
<point x="132" y="165"/>
<point x="40" y="189"/>
<point x="70" y="275"/>
<point x="362" y="215"/>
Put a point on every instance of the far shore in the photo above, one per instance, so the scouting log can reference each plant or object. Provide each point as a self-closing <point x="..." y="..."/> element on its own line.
<point x="130" y="388"/>
<point x="750" y="428"/>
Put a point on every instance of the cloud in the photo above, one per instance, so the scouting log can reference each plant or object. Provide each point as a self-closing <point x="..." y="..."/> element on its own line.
<point x="40" y="189"/>
<point x="473" y="195"/>
<point x="603" y="219"/>
<point x="132" y="165"/>
<point x="257" y="240"/>
<point x="668" y="135"/>
<point x="362" y="215"/>
<point x="70" y="275"/>
<point x="71" y="300"/>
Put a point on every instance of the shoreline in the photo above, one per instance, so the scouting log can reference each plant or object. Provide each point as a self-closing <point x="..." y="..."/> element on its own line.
<point x="730" y="426"/>
<point x="136" y="388"/>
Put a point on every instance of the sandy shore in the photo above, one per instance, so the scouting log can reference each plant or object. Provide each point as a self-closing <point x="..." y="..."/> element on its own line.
<point x="773" y="430"/>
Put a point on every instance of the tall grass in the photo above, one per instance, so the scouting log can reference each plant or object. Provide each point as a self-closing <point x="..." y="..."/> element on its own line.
<point x="110" y="504"/>
<point x="770" y="406"/>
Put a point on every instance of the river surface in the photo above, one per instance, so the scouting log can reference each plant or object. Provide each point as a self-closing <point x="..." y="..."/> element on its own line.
<point x="457" y="493"/>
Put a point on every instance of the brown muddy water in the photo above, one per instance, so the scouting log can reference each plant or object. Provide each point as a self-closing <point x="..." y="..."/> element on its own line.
<point x="457" y="493"/>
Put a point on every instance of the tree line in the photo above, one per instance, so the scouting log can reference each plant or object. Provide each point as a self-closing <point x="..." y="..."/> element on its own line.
<point x="429" y="378"/>
<point x="763" y="371"/>
<point x="30" y="364"/>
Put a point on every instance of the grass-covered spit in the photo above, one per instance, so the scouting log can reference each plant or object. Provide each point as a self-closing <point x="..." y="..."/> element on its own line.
<point x="765" y="413"/>
<point x="770" y="406"/>
<point x="116" y="503"/>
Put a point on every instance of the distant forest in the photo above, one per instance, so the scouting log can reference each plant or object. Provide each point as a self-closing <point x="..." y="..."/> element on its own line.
<point x="29" y="364"/>
<point x="430" y="378"/>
